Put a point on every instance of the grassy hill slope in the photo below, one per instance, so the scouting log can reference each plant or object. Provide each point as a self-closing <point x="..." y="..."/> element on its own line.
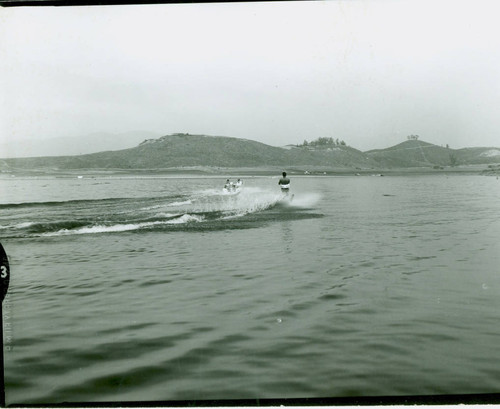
<point x="477" y="155"/>
<point x="183" y="150"/>
<point x="414" y="153"/>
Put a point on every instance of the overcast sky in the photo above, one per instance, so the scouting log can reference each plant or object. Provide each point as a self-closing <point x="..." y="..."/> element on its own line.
<point x="367" y="72"/>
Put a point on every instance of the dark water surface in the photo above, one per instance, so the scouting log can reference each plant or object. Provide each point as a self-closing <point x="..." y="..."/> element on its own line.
<point x="137" y="289"/>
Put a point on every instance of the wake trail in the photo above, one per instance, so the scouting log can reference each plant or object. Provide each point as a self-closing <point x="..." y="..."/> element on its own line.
<point x="207" y="207"/>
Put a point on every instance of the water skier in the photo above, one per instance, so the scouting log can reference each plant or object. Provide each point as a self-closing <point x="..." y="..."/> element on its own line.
<point x="284" y="183"/>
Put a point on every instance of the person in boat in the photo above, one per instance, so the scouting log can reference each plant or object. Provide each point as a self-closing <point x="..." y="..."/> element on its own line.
<point x="238" y="183"/>
<point x="228" y="186"/>
<point x="284" y="183"/>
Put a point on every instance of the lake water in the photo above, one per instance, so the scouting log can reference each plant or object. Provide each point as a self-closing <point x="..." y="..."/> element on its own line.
<point x="163" y="288"/>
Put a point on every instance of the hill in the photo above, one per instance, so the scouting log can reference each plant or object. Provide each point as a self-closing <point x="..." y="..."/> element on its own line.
<point x="414" y="153"/>
<point x="185" y="150"/>
<point x="478" y="155"/>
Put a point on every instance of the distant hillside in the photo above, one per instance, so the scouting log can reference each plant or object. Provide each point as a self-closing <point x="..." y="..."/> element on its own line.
<point x="197" y="150"/>
<point x="185" y="150"/>
<point x="414" y="153"/>
<point x="478" y="155"/>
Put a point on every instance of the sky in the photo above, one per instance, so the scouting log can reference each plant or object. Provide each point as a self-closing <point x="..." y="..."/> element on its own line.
<point x="368" y="72"/>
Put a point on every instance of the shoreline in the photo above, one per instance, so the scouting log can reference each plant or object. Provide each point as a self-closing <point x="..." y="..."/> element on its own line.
<point x="193" y="171"/>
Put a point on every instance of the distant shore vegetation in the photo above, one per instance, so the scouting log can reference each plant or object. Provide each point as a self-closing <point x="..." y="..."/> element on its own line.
<point x="322" y="142"/>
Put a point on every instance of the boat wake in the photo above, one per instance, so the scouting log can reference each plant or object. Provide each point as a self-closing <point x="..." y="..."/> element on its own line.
<point x="208" y="209"/>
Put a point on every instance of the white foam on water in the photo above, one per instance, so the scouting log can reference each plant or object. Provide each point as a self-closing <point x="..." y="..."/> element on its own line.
<point x="18" y="226"/>
<point x="249" y="200"/>
<point x="163" y="205"/>
<point x="210" y="192"/>
<point x="151" y="207"/>
<point x="185" y="218"/>
<point x="184" y="203"/>
<point x="24" y="225"/>
<point x="256" y="199"/>
<point x="167" y="214"/>
<point x="100" y="229"/>
<point x="304" y="200"/>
